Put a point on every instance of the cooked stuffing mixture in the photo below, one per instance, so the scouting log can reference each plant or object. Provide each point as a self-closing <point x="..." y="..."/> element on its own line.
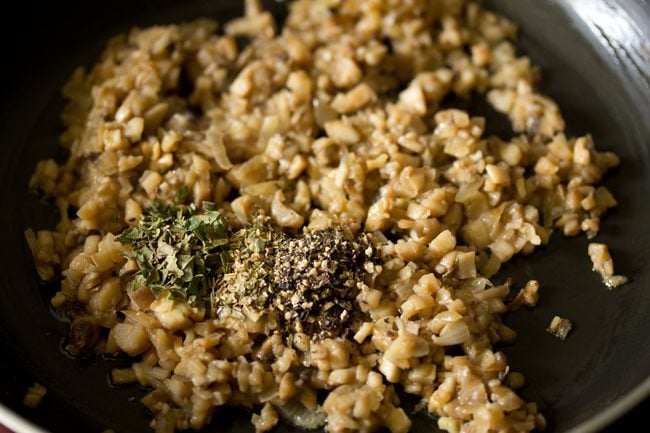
<point x="299" y="222"/>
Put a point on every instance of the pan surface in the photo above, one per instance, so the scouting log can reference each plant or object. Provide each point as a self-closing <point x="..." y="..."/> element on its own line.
<point x="595" y="59"/>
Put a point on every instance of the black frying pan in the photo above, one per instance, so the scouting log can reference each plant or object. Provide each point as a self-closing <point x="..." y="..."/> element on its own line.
<point x="595" y="56"/>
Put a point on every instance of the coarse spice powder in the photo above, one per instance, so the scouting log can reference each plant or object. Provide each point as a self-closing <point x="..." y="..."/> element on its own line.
<point x="317" y="276"/>
<point x="310" y="279"/>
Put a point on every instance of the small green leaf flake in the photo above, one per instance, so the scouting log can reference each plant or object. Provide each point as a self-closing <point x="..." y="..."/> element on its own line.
<point x="181" y="194"/>
<point x="181" y="251"/>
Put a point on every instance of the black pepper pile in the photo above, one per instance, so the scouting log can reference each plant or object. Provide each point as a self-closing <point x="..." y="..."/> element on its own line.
<point x="316" y="277"/>
<point x="311" y="279"/>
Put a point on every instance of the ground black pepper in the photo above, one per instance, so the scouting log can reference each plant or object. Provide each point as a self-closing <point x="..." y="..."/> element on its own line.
<point x="317" y="276"/>
<point x="311" y="279"/>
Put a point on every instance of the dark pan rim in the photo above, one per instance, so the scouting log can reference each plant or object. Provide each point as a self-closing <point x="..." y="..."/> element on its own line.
<point x="637" y="69"/>
<point x="616" y="410"/>
<point x="17" y="423"/>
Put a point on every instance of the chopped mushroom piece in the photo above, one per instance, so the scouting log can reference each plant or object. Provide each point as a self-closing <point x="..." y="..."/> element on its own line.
<point x="560" y="327"/>
<point x="604" y="265"/>
<point x="266" y="420"/>
<point x="527" y="296"/>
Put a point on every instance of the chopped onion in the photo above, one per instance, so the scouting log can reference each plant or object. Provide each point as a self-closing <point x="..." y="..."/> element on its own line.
<point x="454" y="333"/>
<point x="298" y="415"/>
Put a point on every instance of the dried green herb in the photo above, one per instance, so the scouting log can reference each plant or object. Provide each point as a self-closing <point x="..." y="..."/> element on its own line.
<point x="310" y="280"/>
<point x="181" y="251"/>
<point x="181" y="194"/>
<point x="247" y="281"/>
